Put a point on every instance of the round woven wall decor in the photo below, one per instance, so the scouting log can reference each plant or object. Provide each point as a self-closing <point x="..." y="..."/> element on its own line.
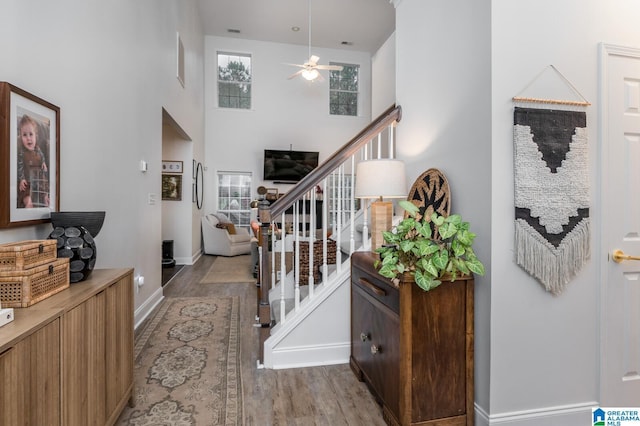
<point x="430" y="192"/>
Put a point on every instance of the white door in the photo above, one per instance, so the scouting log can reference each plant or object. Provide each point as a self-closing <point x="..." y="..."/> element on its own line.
<point x="620" y="189"/>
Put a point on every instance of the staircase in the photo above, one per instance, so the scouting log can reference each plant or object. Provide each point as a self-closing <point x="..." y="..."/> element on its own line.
<point x="308" y="236"/>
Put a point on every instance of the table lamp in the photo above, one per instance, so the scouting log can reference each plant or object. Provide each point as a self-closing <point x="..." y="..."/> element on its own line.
<point x="378" y="179"/>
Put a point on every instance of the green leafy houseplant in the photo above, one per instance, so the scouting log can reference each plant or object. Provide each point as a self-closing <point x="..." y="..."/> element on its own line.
<point x="428" y="250"/>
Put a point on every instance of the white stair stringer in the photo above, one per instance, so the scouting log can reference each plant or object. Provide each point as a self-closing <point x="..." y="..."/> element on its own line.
<point x="319" y="332"/>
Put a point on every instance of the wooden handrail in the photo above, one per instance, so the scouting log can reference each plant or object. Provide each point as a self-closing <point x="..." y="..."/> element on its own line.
<point x="393" y="113"/>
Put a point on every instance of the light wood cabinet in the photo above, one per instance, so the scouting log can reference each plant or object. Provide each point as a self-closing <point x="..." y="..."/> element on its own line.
<point x="30" y="378"/>
<point x="414" y="349"/>
<point x="80" y="366"/>
<point x="119" y="345"/>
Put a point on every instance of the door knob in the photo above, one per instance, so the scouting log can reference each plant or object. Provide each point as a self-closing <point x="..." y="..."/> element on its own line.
<point x="619" y="256"/>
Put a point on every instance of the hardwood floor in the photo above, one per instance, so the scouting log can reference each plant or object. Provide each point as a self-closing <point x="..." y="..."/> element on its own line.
<point x="168" y="273"/>
<point x="328" y="395"/>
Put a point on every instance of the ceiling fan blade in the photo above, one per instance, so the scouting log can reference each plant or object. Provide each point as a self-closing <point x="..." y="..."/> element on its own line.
<point x="313" y="60"/>
<point x="294" y="75"/>
<point x="296" y="65"/>
<point x="329" y="67"/>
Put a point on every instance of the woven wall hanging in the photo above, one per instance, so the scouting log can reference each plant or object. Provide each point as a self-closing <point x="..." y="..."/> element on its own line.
<point x="552" y="227"/>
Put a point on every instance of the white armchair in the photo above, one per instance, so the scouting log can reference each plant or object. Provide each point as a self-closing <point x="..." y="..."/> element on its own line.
<point x="218" y="241"/>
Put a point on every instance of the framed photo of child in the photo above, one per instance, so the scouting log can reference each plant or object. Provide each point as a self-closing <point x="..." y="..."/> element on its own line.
<point x="29" y="158"/>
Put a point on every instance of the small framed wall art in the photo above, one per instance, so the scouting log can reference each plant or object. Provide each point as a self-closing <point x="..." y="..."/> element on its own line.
<point x="172" y="167"/>
<point x="29" y="157"/>
<point x="172" y="187"/>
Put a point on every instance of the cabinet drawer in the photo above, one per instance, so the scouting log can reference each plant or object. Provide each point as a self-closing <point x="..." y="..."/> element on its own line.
<point x="376" y="286"/>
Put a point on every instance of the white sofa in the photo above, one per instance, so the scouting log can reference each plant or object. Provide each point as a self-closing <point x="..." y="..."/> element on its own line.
<point x="219" y="242"/>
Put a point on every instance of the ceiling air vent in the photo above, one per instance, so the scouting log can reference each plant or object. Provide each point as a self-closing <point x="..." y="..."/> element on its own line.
<point x="233" y="31"/>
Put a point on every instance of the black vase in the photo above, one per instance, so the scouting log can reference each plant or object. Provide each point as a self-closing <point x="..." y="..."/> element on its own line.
<point x="75" y="233"/>
<point x="76" y="243"/>
<point x="91" y="221"/>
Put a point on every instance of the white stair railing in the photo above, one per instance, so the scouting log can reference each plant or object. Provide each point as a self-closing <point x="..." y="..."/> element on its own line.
<point x="315" y="225"/>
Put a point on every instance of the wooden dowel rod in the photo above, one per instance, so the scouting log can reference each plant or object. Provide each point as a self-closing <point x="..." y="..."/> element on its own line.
<point x="551" y="101"/>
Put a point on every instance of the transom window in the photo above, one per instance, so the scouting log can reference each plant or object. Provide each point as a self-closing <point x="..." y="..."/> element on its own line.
<point x="343" y="90"/>
<point x="234" y="80"/>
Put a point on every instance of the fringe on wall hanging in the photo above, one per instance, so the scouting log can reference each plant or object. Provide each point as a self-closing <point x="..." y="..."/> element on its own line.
<point x="552" y="227"/>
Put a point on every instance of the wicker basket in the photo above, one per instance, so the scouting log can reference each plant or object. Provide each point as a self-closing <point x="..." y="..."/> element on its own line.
<point x="23" y="255"/>
<point x="318" y="259"/>
<point x="19" y="289"/>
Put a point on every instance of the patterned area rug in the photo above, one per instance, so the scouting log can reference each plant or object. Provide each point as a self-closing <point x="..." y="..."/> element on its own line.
<point x="187" y="369"/>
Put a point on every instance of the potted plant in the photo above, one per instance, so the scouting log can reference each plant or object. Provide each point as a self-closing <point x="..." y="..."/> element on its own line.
<point x="429" y="249"/>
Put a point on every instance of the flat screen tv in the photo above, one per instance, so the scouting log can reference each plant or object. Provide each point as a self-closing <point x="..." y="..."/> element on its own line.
<point x="288" y="166"/>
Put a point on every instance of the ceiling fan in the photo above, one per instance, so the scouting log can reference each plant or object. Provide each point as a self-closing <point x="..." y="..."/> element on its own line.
<point x="310" y="68"/>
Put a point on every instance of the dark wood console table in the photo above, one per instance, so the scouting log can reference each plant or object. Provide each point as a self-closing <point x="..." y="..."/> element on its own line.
<point x="414" y="349"/>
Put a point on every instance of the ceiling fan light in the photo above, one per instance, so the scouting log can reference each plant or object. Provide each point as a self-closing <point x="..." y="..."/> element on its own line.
<point x="310" y="74"/>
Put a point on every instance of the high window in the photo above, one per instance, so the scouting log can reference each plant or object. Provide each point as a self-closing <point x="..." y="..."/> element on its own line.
<point x="343" y="90"/>
<point x="234" y="80"/>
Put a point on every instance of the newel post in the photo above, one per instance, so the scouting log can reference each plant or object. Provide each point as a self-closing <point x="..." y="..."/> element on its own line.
<point x="264" y="309"/>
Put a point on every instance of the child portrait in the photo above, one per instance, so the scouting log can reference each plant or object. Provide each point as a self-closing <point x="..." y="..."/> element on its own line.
<point x="30" y="157"/>
<point x="32" y="160"/>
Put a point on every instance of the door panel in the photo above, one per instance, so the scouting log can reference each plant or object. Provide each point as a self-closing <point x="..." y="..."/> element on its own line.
<point x="620" y="186"/>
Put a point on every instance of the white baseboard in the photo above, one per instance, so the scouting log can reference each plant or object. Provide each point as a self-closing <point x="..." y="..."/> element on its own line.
<point x="562" y="415"/>
<point x="189" y="260"/>
<point x="145" y="309"/>
<point x="311" y="356"/>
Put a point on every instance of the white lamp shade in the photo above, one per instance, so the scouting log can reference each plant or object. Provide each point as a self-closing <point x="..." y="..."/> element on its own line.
<point x="381" y="178"/>
<point x="311" y="74"/>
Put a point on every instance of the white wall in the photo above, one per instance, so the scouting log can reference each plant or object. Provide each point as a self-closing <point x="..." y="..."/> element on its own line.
<point x="459" y="65"/>
<point x="556" y="338"/>
<point x="443" y="85"/>
<point x="383" y="77"/>
<point x="284" y="112"/>
<point x="110" y="67"/>
<point x="550" y="342"/>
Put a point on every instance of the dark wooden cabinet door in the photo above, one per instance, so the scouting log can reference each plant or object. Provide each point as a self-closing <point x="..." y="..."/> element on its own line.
<point x="375" y="336"/>
<point x="361" y="324"/>
<point x="438" y="346"/>
<point x="384" y="350"/>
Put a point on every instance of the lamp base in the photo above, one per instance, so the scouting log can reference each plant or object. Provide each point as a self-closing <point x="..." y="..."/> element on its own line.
<point x="381" y="220"/>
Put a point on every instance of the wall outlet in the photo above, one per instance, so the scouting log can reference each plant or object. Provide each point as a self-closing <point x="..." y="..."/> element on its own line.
<point x="6" y="316"/>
